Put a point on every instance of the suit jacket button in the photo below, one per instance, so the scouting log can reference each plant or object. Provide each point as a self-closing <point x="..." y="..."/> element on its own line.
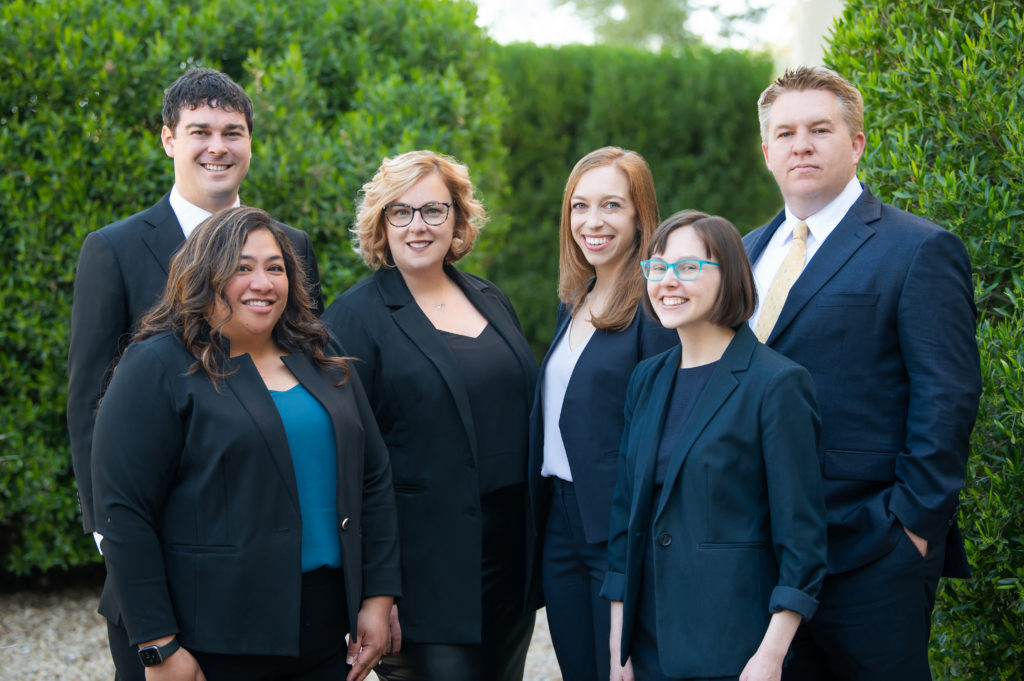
<point x="665" y="539"/>
<point x="344" y="524"/>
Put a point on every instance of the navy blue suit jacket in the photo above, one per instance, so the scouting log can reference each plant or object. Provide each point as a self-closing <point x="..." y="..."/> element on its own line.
<point x="739" y="526"/>
<point x="883" y="317"/>
<point x="421" y="404"/>
<point x="591" y="420"/>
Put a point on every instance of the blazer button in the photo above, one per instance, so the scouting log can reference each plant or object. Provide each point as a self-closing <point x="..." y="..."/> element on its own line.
<point x="344" y="524"/>
<point x="665" y="539"/>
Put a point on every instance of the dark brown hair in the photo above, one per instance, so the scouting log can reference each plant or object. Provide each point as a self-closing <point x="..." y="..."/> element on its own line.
<point x="737" y="295"/>
<point x="200" y="272"/>
<point x="573" y="269"/>
<point x="205" y="87"/>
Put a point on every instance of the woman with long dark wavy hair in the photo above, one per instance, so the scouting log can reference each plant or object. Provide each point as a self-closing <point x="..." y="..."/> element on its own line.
<point x="243" y="491"/>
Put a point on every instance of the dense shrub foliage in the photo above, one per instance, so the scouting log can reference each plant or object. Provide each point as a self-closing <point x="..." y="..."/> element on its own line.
<point x="944" y="93"/>
<point x="337" y="85"/>
<point x="691" y="114"/>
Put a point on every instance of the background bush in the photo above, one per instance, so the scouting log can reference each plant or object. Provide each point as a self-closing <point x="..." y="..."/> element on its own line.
<point x="691" y="114"/>
<point x="337" y="85"/>
<point x="943" y="93"/>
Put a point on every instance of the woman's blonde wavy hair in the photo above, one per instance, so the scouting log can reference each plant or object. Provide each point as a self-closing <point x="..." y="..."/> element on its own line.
<point x="395" y="177"/>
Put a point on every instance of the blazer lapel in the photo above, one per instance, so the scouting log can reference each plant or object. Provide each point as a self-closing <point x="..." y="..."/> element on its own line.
<point x="560" y="326"/>
<point x="251" y="392"/>
<point x="502" y="321"/>
<point x="321" y="388"/>
<point x="411" y="320"/>
<point x="848" y="236"/>
<point x="650" y="437"/>
<point x="757" y="246"/>
<point x="721" y="384"/>
<point x="165" y="236"/>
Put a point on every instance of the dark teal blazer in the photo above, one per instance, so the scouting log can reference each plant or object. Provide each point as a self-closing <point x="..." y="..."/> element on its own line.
<point x="739" y="526"/>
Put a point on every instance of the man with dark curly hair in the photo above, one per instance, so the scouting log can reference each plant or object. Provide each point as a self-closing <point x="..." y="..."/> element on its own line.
<point x="122" y="268"/>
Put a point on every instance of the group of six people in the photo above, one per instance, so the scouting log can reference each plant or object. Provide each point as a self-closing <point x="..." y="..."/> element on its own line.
<point x="720" y="470"/>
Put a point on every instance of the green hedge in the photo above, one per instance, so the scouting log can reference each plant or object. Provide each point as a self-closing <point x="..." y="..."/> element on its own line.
<point x="337" y="85"/>
<point x="944" y="92"/>
<point x="690" y="114"/>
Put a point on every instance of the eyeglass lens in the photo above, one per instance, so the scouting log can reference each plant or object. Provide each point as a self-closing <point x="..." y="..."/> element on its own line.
<point x="401" y="215"/>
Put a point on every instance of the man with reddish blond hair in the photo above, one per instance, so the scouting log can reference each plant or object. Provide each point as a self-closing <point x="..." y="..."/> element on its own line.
<point x="878" y="305"/>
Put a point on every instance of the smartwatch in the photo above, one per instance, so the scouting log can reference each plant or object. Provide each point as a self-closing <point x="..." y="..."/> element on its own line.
<point x="151" y="656"/>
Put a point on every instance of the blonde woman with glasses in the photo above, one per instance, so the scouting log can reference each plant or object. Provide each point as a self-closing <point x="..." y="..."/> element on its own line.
<point x="450" y="378"/>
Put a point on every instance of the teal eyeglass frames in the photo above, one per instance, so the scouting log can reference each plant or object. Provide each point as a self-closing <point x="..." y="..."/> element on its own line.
<point x="686" y="269"/>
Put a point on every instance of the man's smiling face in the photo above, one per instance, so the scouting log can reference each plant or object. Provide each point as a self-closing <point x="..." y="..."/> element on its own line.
<point x="211" y="149"/>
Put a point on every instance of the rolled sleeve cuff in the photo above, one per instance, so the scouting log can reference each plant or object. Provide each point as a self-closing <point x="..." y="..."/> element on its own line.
<point x="788" y="598"/>
<point x="614" y="587"/>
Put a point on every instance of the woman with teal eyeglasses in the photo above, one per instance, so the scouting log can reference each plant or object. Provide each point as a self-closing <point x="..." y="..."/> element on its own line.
<point x="717" y="547"/>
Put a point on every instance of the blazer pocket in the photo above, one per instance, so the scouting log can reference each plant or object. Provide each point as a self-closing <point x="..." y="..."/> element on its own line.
<point x="202" y="548"/>
<point x="844" y="464"/>
<point x="733" y="546"/>
<point x="848" y="300"/>
<point x="612" y="454"/>
<point x="406" y="488"/>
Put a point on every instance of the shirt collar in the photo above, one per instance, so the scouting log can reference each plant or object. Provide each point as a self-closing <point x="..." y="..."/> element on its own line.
<point x="189" y="214"/>
<point x="828" y="218"/>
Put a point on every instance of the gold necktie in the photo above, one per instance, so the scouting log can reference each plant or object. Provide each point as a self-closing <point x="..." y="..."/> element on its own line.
<point x="790" y="269"/>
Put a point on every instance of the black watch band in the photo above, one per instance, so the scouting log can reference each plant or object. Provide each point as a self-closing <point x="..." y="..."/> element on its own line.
<point x="151" y="656"/>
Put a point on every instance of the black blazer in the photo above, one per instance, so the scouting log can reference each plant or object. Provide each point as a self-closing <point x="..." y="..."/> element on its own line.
<point x="422" y="407"/>
<point x="122" y="270"/>
<point x="591" y="419"/>
<point x="739" y="526"/>
<point x="883" y="317"/>
<point x="197" y="501"/>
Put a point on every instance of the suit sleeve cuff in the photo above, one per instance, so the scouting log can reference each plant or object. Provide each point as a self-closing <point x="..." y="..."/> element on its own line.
<point x="614" y="587"/>
<point x="930" y="526"/>
<point x="788" y="598"/>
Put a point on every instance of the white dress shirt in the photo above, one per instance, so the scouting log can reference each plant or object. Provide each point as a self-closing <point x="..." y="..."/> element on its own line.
<point x="819" y="226"/>
<point x="189" y="214"/>
<point x="557" y="372"/>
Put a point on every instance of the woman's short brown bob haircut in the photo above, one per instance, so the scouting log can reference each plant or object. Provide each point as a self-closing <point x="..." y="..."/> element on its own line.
<point x="395" y="177"/>
<point x="737" y="296"/>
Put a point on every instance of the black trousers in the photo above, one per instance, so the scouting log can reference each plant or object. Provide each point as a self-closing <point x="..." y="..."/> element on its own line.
<point x="872" y="623"/>
<point x="322" y="646"/>
<point x="505" y="630"/>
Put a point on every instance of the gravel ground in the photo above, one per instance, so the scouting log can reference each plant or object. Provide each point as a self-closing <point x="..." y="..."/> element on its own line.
<point x="55" y="634"/>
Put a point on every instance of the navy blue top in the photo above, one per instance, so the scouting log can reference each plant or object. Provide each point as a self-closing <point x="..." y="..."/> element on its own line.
<point x="686" y="388"/>
<point x="314" y="457"/>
